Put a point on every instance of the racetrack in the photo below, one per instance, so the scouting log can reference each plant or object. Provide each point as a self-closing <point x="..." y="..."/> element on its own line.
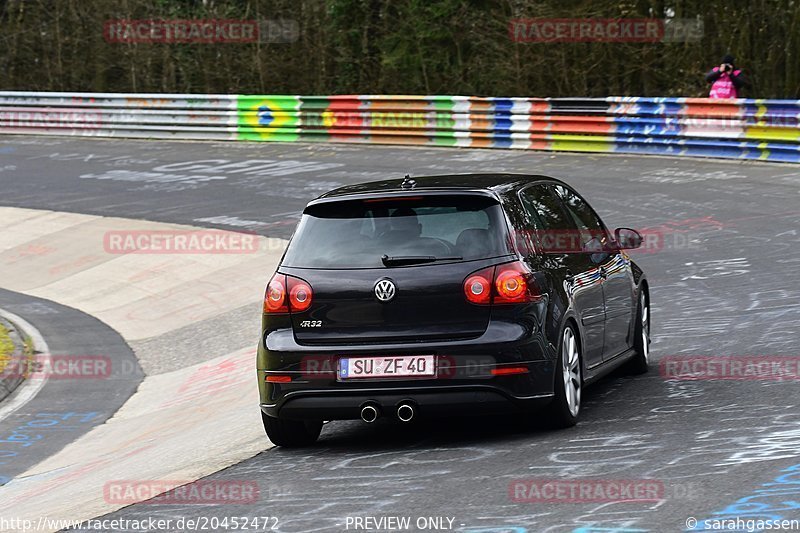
<point x="724" y="282"/>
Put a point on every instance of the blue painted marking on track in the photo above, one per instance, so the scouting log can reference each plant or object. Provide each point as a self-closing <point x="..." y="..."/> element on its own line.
<point x="35" y="430"/>
<point x="770" y="501"/>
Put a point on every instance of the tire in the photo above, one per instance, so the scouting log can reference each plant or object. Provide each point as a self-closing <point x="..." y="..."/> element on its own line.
<point x="563" y="411"/>
<point x="640" y="362"/>
<point x="291" y="433"/>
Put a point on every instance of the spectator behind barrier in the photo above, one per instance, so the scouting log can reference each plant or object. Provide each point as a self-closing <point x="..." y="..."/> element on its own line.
<point x="726" y="80"/>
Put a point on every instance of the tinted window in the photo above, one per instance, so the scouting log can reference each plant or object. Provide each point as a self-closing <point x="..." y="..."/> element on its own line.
<point x="584" y="216"/>
<point x="356" y="234"/>
<point x="586" y="219"/>
<point x="545" y="210"/>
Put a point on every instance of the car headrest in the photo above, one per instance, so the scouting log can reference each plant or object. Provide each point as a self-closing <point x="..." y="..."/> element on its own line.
<point x="404" y="222"/>
<point x="474" y="243"/>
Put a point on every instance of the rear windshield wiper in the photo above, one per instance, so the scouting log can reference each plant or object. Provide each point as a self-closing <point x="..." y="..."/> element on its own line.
<point x="402" y="260"/>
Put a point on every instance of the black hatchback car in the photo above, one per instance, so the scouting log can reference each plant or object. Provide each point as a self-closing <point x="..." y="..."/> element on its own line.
<point x="479" y="294"/>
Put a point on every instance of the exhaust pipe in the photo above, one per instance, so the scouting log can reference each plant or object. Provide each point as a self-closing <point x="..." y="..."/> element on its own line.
<point x="405" y="412"/>
<point x="369" y="413"/>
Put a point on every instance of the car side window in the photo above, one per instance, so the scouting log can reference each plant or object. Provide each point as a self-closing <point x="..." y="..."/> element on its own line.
<point x="543" y="210"/>
<point x="584" y="216"/>
<point x="548" y="222"/>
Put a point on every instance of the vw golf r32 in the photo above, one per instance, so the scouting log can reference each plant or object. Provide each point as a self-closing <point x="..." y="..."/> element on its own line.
<point x="430" y="296"/>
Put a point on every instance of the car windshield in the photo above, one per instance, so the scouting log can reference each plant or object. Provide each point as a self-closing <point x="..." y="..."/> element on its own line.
<point x="376" y="233"/>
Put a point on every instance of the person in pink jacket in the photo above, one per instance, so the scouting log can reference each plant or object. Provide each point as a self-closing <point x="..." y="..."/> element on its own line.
<point x="726" y="80"/>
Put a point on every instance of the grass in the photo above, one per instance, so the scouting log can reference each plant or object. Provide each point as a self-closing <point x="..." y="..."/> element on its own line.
<point x="6" y="348"/>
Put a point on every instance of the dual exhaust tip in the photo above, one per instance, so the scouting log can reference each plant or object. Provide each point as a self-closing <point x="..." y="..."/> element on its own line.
<point x="405" y="412"/>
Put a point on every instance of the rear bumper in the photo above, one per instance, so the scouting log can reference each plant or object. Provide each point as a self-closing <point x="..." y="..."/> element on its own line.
<point x="464" y="380"/>
<point x="479" y="393"/>
<point x="346" y="405"/>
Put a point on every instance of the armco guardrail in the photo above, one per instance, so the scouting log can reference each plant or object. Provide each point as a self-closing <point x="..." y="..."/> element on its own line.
<point x="741" y="129"/>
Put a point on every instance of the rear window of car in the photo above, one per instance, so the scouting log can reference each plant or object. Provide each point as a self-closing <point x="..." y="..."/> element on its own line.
<point x="358" y="233"/>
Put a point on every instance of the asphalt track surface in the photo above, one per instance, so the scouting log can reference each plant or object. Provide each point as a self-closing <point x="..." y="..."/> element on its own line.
<point x="724" y="282"/>
<point x="64" y="409"/>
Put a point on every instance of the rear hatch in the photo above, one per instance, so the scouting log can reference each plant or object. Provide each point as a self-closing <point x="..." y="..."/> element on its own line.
<point x="424" y="246"/>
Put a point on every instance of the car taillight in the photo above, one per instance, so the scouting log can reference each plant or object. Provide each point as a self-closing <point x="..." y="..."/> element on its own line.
<point x="511" y="283"/>
<point x="478" y="286"/>
<point x="275" y="298"/>
<point x="300" y="294"/>
<point x="287" y="293"/>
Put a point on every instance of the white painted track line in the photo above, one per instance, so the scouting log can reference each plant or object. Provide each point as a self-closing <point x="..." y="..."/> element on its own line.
<point x="29" y="388"/>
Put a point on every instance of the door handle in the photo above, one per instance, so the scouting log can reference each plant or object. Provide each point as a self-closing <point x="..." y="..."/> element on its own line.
<point x="603" y="273"/>
<point x="569" y="276"/>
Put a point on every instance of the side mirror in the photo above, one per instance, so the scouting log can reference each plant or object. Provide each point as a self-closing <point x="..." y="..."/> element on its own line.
<point x="627" y="239"/>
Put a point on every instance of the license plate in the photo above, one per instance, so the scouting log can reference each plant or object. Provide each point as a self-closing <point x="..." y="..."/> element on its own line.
<point x="387" y="367"/>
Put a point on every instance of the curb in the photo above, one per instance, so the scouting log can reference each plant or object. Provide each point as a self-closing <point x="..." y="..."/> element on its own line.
<point x="14" y="372"/>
